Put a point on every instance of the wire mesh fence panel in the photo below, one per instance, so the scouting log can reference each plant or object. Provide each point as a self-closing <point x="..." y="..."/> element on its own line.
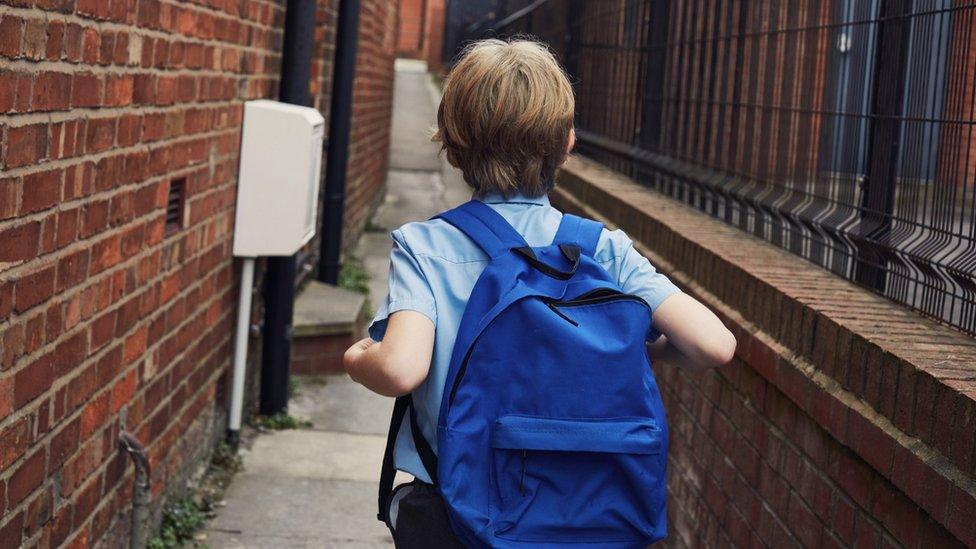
<point x="843" y="131"/>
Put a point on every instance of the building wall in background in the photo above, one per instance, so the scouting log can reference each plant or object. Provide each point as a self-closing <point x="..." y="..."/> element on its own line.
<point x="421" y="31"/>
<point x="110" y="318"/>
<point x="410" y="41"/>
<point x="434" y="35"/>
<point x="372" y="110"/>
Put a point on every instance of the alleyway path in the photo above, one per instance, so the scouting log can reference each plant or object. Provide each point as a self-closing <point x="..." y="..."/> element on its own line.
<point x="317" y="487"/>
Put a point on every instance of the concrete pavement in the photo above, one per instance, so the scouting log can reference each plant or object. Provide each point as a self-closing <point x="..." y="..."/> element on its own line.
<point x="316" y="487"/>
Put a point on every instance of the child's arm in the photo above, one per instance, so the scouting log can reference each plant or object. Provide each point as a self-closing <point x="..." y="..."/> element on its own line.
<point x="693" y="336"/>
<point x="398" y="364"/>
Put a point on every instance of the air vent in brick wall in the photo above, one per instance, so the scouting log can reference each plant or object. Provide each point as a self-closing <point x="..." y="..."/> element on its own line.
<point x="175" y="203"/>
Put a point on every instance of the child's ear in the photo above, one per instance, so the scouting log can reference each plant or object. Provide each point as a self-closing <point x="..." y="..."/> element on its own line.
<point x="570" y="143"/>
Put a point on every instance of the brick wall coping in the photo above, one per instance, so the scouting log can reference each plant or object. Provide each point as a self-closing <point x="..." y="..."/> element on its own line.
<point x="895" y="387"/>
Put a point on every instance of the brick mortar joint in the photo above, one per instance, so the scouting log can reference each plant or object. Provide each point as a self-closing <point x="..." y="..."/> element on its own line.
<point x="686" y="472"/>
<point x="84" y="325"/>
<point x="107" y="195"/>
<point x="113" y="112"/>
<point x="149" y="147"/>
<point x="15" y="270"/>
<point x="105" y="463"/>
<point x="109" y="24"/>
<point x="35" y="404"/>
<point x="920" y="449"/>
<point x="70" y="68"/>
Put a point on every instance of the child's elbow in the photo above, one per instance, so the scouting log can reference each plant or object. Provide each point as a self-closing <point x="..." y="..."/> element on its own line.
<point x="721" y="350"/>
<point x="403" y="375"/>
<point x="399" y="385"/>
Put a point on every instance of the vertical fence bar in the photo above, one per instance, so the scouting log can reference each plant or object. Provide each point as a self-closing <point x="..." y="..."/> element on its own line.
<point x="884" y="137"/>
<point x="652" y="107"/>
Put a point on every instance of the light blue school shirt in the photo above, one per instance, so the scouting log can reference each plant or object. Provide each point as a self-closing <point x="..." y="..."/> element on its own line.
<point x="433" y="268"/>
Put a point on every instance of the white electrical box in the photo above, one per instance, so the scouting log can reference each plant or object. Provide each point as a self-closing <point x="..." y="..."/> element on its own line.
<point x="278" y="182"/>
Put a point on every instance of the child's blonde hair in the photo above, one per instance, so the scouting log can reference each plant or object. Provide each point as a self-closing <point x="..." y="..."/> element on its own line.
<point x="506" y="116"/>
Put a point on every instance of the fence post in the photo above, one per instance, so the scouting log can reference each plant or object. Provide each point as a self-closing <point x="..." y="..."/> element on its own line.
<point x="574" y="13"/>
<point x="653" y="103"/>
<point x="884" y="142"/>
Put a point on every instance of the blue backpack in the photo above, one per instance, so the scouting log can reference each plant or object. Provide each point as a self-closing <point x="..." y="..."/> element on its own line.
<point x="551" y="430"/>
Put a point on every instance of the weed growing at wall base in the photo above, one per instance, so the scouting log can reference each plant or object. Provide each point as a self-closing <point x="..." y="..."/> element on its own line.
<point x="181" y="520"/>
<point x="282" y="421"/>
<point x="354" y="276"/>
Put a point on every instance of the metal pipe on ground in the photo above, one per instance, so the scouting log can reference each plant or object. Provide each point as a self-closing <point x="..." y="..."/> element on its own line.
<point x="140" y="490"/>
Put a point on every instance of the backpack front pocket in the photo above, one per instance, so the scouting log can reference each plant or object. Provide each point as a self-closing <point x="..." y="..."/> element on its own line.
<point x="577" y="480"/>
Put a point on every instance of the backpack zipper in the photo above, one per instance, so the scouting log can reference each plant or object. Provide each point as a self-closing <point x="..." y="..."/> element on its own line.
<point x="522" y="476"/>
<point x="566" y="317"/>
<point x="600" y="295"/>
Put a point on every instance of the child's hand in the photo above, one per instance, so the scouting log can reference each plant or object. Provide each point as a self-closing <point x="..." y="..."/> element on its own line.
<point x="695" y="338"/>
<point x="399" y="363"/>
<point x="355" y="352"/>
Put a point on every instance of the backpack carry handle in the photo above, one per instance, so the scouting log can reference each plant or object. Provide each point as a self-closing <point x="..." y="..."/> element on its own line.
<point x="570" y="251"/>
<point x="584" y="233"/>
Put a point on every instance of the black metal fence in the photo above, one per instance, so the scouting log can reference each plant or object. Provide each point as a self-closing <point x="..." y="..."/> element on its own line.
<point x="841" y="130"/>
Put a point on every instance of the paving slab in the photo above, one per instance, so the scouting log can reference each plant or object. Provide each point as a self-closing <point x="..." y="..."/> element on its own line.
<point x="414" y="116"/>
<point x="298" y="512"/>
<point x="337" y="403"/>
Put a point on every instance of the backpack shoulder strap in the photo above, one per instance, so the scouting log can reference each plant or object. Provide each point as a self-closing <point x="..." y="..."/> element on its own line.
<point x="486" y="227"/>
<point x="401" y="407"/>
<point x="584" y="233"/>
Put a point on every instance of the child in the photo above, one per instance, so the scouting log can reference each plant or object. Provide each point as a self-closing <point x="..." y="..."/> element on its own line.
<point x="506" y="122"/>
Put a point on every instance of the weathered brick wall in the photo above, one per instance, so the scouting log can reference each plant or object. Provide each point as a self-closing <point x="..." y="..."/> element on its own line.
<point x="434" y="35"/>
<point x="420" y="32"/>
<point x="410" y="39"/>
<point x="110" y="319"/>
<point x="372" y="108"/>
<point x="844" y="420"/>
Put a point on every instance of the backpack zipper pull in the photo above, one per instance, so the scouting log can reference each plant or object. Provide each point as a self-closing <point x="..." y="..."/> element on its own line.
<point x="522" y="476"/>
<point x="552" y="305"/>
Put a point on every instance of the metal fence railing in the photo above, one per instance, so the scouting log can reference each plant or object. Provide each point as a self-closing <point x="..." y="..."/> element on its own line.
<point x="841" y="130"/>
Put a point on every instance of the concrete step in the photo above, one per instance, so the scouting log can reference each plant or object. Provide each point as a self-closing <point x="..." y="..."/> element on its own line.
<point x="326" y="321"/>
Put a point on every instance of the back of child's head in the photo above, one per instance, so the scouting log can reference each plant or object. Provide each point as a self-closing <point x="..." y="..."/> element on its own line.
<point x="506" y="116"/>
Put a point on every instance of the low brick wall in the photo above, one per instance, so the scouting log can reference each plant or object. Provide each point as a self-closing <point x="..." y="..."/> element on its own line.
<point x="843" y="420"/>
<point x="320" y="354"/>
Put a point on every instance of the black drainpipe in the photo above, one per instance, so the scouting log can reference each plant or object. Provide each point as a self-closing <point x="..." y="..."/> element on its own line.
<point x="340" y="116"/>
<point x="279" y="288"/>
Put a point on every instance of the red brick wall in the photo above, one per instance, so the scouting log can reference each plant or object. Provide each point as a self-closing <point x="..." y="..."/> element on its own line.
<point x="108" y="320"/>
<point x="372" y="108"/>
<point x="421" y="31"/>
<point x="834" y="425"/>
<point x="410" y="40"/>
<point x="957" y="155"/>
<point x="434" y="34"/>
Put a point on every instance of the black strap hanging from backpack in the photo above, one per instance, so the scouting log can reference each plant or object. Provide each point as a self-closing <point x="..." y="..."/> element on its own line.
<point x="402" y="405"/>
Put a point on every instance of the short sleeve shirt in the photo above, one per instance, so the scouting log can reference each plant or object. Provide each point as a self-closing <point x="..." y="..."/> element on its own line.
<point x="433" y="269"/>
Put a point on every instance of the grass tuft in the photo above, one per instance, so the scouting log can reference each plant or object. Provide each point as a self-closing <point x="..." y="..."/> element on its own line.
<point x="354" y="276"/>
<point x="281" y="421"/>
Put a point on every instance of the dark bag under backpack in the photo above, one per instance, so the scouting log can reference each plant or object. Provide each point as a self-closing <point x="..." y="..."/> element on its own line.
<point x="551" y="430"/>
